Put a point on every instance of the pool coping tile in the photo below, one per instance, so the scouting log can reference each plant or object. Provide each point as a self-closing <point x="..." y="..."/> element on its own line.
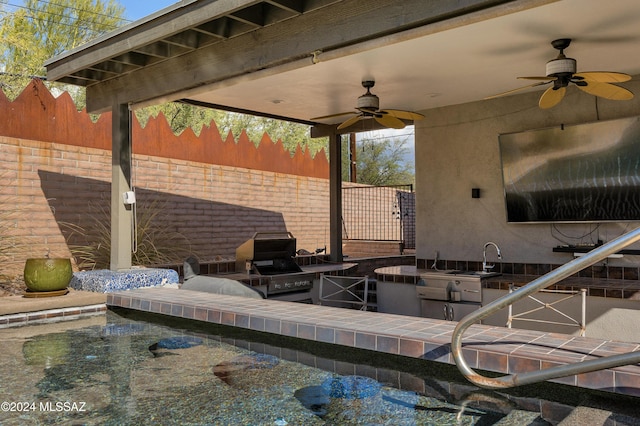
<point x="490" y="348"/>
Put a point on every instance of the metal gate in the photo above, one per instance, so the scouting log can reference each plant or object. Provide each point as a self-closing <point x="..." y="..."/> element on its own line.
<point x="379" y="213"/>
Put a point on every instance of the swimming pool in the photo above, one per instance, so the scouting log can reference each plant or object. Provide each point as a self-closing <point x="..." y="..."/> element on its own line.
<point x="126" y="368"/>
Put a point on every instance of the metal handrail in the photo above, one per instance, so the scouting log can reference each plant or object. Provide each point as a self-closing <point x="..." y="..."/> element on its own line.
<point x="594" y="256"/>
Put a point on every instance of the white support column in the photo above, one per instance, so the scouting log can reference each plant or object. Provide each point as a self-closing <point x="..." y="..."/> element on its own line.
<point x="121" y="214"/>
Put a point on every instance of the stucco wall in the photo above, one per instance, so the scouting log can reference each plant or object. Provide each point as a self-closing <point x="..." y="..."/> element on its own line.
<point x="457" y="150"/>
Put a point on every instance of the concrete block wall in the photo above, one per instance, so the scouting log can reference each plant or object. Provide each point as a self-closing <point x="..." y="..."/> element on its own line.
<point x="49" y="189"/>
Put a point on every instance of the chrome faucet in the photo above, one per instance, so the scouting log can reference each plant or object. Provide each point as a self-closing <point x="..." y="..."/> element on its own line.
<point x="435" y="261"/>
<point x="485" y="267"/>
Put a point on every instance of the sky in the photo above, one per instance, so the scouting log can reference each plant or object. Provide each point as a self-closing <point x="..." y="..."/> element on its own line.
<point x="134" y="9"/>
<point x="137" y="9"/>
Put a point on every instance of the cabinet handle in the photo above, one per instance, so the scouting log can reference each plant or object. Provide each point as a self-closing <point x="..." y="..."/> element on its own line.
<point x="451" y="313"/>
<point x="444" y="311"/>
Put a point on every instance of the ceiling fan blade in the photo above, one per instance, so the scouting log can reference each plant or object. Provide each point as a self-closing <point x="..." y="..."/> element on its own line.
<point x="334" y="115"/>
<point x="547" y="79"/>
<point x="388" y="120"/>
<point x="551" y="97"/>
<point x="350" y="121"/>
<point x="403" y="115"/>
<point x="607" y="91"/>
<point x="508" y="92"/>
<point x="603" y="76"/>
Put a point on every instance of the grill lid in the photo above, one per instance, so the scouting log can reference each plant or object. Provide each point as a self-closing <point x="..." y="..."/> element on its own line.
<point x="270" y="253"/>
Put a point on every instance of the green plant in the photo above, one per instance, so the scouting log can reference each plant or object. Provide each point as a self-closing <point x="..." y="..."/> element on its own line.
<point x="8" y="243"/>
<point x="157" y="243"/>
<point x="14" y="248"/>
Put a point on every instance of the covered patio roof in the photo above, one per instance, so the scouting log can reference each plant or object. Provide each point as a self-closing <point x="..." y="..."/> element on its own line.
<point x="300" y="59"/>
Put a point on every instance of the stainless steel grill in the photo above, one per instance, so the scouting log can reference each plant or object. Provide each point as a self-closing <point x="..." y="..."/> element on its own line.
<point x="271" y="255"/>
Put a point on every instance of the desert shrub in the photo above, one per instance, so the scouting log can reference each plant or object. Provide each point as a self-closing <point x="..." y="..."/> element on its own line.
<point x="14" y="249"/>
<point x="156" y="242"/>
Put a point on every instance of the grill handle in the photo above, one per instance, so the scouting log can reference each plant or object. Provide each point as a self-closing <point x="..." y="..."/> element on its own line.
<point x="278" y="234"/>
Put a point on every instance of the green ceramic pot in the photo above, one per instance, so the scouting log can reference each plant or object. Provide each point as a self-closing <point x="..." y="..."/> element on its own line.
<point x="45" y="274"/>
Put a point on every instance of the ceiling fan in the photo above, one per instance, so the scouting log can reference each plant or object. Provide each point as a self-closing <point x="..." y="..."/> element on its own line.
<point x="562" y="70"/>
<point x="369" y="107"/>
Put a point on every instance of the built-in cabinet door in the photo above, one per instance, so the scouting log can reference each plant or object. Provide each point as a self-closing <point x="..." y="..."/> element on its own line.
<point x="446" y="311"/>
<point x="434" y="309"/>
<point x="456" y="311"/>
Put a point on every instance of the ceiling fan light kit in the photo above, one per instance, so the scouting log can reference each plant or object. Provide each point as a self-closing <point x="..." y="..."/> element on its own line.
<point x="561" y="66"/>
<point x="368" y="101"/>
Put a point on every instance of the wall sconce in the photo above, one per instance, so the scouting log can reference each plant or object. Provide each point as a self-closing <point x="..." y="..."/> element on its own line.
<point x="475" y="192"/>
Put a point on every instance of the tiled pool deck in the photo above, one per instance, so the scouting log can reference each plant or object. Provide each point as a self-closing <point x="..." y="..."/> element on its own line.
<point x="488" y="348"/>
<point x="18" y="310"/>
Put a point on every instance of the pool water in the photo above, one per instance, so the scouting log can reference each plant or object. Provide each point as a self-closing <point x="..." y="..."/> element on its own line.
<point x="116" y="370"/>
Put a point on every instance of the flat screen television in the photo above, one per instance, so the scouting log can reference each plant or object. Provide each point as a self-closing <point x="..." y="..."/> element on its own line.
<point x="579" y="173"/>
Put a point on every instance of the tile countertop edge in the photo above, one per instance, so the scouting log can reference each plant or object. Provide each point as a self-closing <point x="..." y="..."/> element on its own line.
<point x="623" y="289"/>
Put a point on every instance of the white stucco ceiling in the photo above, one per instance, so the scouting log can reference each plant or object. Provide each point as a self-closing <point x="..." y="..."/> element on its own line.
<point x="433" y="68"/>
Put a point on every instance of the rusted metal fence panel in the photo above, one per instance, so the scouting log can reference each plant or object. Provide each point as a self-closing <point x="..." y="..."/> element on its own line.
<point x="37" y="115"/>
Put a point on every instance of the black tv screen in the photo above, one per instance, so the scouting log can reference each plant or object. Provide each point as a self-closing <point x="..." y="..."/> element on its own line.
<point x="579" y="173"/>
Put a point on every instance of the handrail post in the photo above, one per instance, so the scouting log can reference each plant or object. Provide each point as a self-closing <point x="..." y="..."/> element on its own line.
<point x="510" y="312"/>
<point x="583" y="325"/>
<point x="596" y="255"/>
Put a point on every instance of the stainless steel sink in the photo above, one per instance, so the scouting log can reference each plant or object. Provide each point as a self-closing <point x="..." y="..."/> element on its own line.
<point x="480" y="274"/>
<point x="444" y="273"/>
<point x="450" y="287"/>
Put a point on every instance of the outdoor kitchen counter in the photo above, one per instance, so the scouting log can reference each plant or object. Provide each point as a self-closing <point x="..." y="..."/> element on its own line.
<point x="396" y="287"/>
<point x="600" y="287"/>
<point x="256" y="280"/>
<point x="610" y="305"/>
